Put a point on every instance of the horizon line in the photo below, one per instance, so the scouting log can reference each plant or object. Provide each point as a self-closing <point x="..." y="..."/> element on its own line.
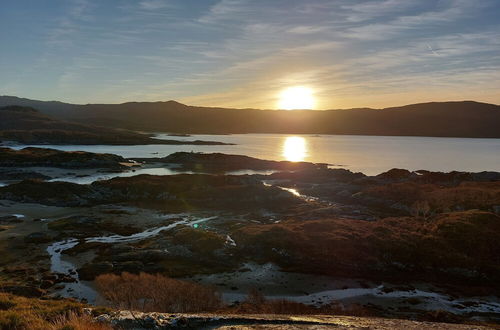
<point x="260" y="109"/>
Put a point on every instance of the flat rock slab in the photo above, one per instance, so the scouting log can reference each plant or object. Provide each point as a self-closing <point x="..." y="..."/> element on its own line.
<point x="138" y="320"/>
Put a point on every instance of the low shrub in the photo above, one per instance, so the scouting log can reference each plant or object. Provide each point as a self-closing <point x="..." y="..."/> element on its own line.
<point x="156" y="293"/>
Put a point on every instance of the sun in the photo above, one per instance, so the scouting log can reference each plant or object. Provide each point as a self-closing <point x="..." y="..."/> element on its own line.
<point x="297" y="97"/>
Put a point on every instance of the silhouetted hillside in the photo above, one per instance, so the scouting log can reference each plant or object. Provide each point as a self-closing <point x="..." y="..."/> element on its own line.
<point x="452" y="119"/>
<point x="26" y="125"/>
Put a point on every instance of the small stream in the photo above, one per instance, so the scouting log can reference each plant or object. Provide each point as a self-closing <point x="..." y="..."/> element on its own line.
<point x="296" y="193"/>
<point x="292" y="191"/>
<point x="64" y="265"/>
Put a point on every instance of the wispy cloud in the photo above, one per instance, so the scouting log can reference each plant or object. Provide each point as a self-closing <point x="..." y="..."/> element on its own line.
<point x="364" y="11"/>
<point x="243" y="52"/>
<point x="225" y="10"/>
<point x="77" y="13"/>
<point x="154" y="4"/>
<point x="403" y="24"/>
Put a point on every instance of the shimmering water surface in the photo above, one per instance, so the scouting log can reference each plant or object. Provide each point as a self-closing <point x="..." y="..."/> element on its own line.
<point x="368" y="154"/>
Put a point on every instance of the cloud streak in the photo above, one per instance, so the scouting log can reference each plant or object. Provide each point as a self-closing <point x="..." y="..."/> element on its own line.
<point x="241" y="53"/>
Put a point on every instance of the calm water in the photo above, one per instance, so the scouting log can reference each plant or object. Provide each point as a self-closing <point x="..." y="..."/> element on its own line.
<point x="368" y="154"/>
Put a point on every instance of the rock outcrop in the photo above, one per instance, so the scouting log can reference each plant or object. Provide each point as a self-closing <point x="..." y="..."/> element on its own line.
<point x="180" y="192"/>
<point x="218" y="162"/>
<point x="44" y="157"/>
<point x="138" y="320"/>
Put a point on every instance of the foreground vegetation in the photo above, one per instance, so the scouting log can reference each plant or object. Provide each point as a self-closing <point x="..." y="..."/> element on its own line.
<point x="144" y="292"/>
<point x="20" y="313"/>
<point x="156" y="293"/>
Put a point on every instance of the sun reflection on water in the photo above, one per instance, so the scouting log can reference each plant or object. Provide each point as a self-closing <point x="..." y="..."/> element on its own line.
<point x="295" y="148"/>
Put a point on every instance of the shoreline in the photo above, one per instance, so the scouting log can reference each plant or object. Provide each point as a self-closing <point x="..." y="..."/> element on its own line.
<point x="363" y="154"/>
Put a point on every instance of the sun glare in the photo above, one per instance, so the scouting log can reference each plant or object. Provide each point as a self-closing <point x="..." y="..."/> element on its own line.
<point x="295" y="148"/>
<point x="297" y="97"/>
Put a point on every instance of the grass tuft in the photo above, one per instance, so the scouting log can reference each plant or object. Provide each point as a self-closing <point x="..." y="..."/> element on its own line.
<point x="20" y="313"/>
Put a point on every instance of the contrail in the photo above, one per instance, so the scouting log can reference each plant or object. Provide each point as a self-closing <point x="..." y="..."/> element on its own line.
<point x="432" y="50"/>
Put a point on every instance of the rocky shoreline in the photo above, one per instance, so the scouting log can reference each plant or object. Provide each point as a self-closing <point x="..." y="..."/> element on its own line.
<point x="44" y="157"/>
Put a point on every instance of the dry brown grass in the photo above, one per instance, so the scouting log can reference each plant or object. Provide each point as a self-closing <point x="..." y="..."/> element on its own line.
<point x="20" y="313"/>
<point x="465" y="196"/>
<point x="74" y="321"/>
<point x="156" y="293"/>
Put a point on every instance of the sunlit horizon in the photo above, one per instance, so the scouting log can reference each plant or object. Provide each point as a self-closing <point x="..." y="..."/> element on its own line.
<point x="296" y="97"/>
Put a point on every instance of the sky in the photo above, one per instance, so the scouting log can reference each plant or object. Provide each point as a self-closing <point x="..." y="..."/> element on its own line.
<point x="244" y="53"/>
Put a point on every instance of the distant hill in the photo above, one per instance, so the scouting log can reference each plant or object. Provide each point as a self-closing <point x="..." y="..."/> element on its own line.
<point x="27" y="125"/>
<point x="446" y="119"/>
<point x="24" y="124"/>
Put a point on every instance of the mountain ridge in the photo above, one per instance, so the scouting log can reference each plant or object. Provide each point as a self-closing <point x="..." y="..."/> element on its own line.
<point x="440" y="119"/>
<point x="17" y="99"/>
